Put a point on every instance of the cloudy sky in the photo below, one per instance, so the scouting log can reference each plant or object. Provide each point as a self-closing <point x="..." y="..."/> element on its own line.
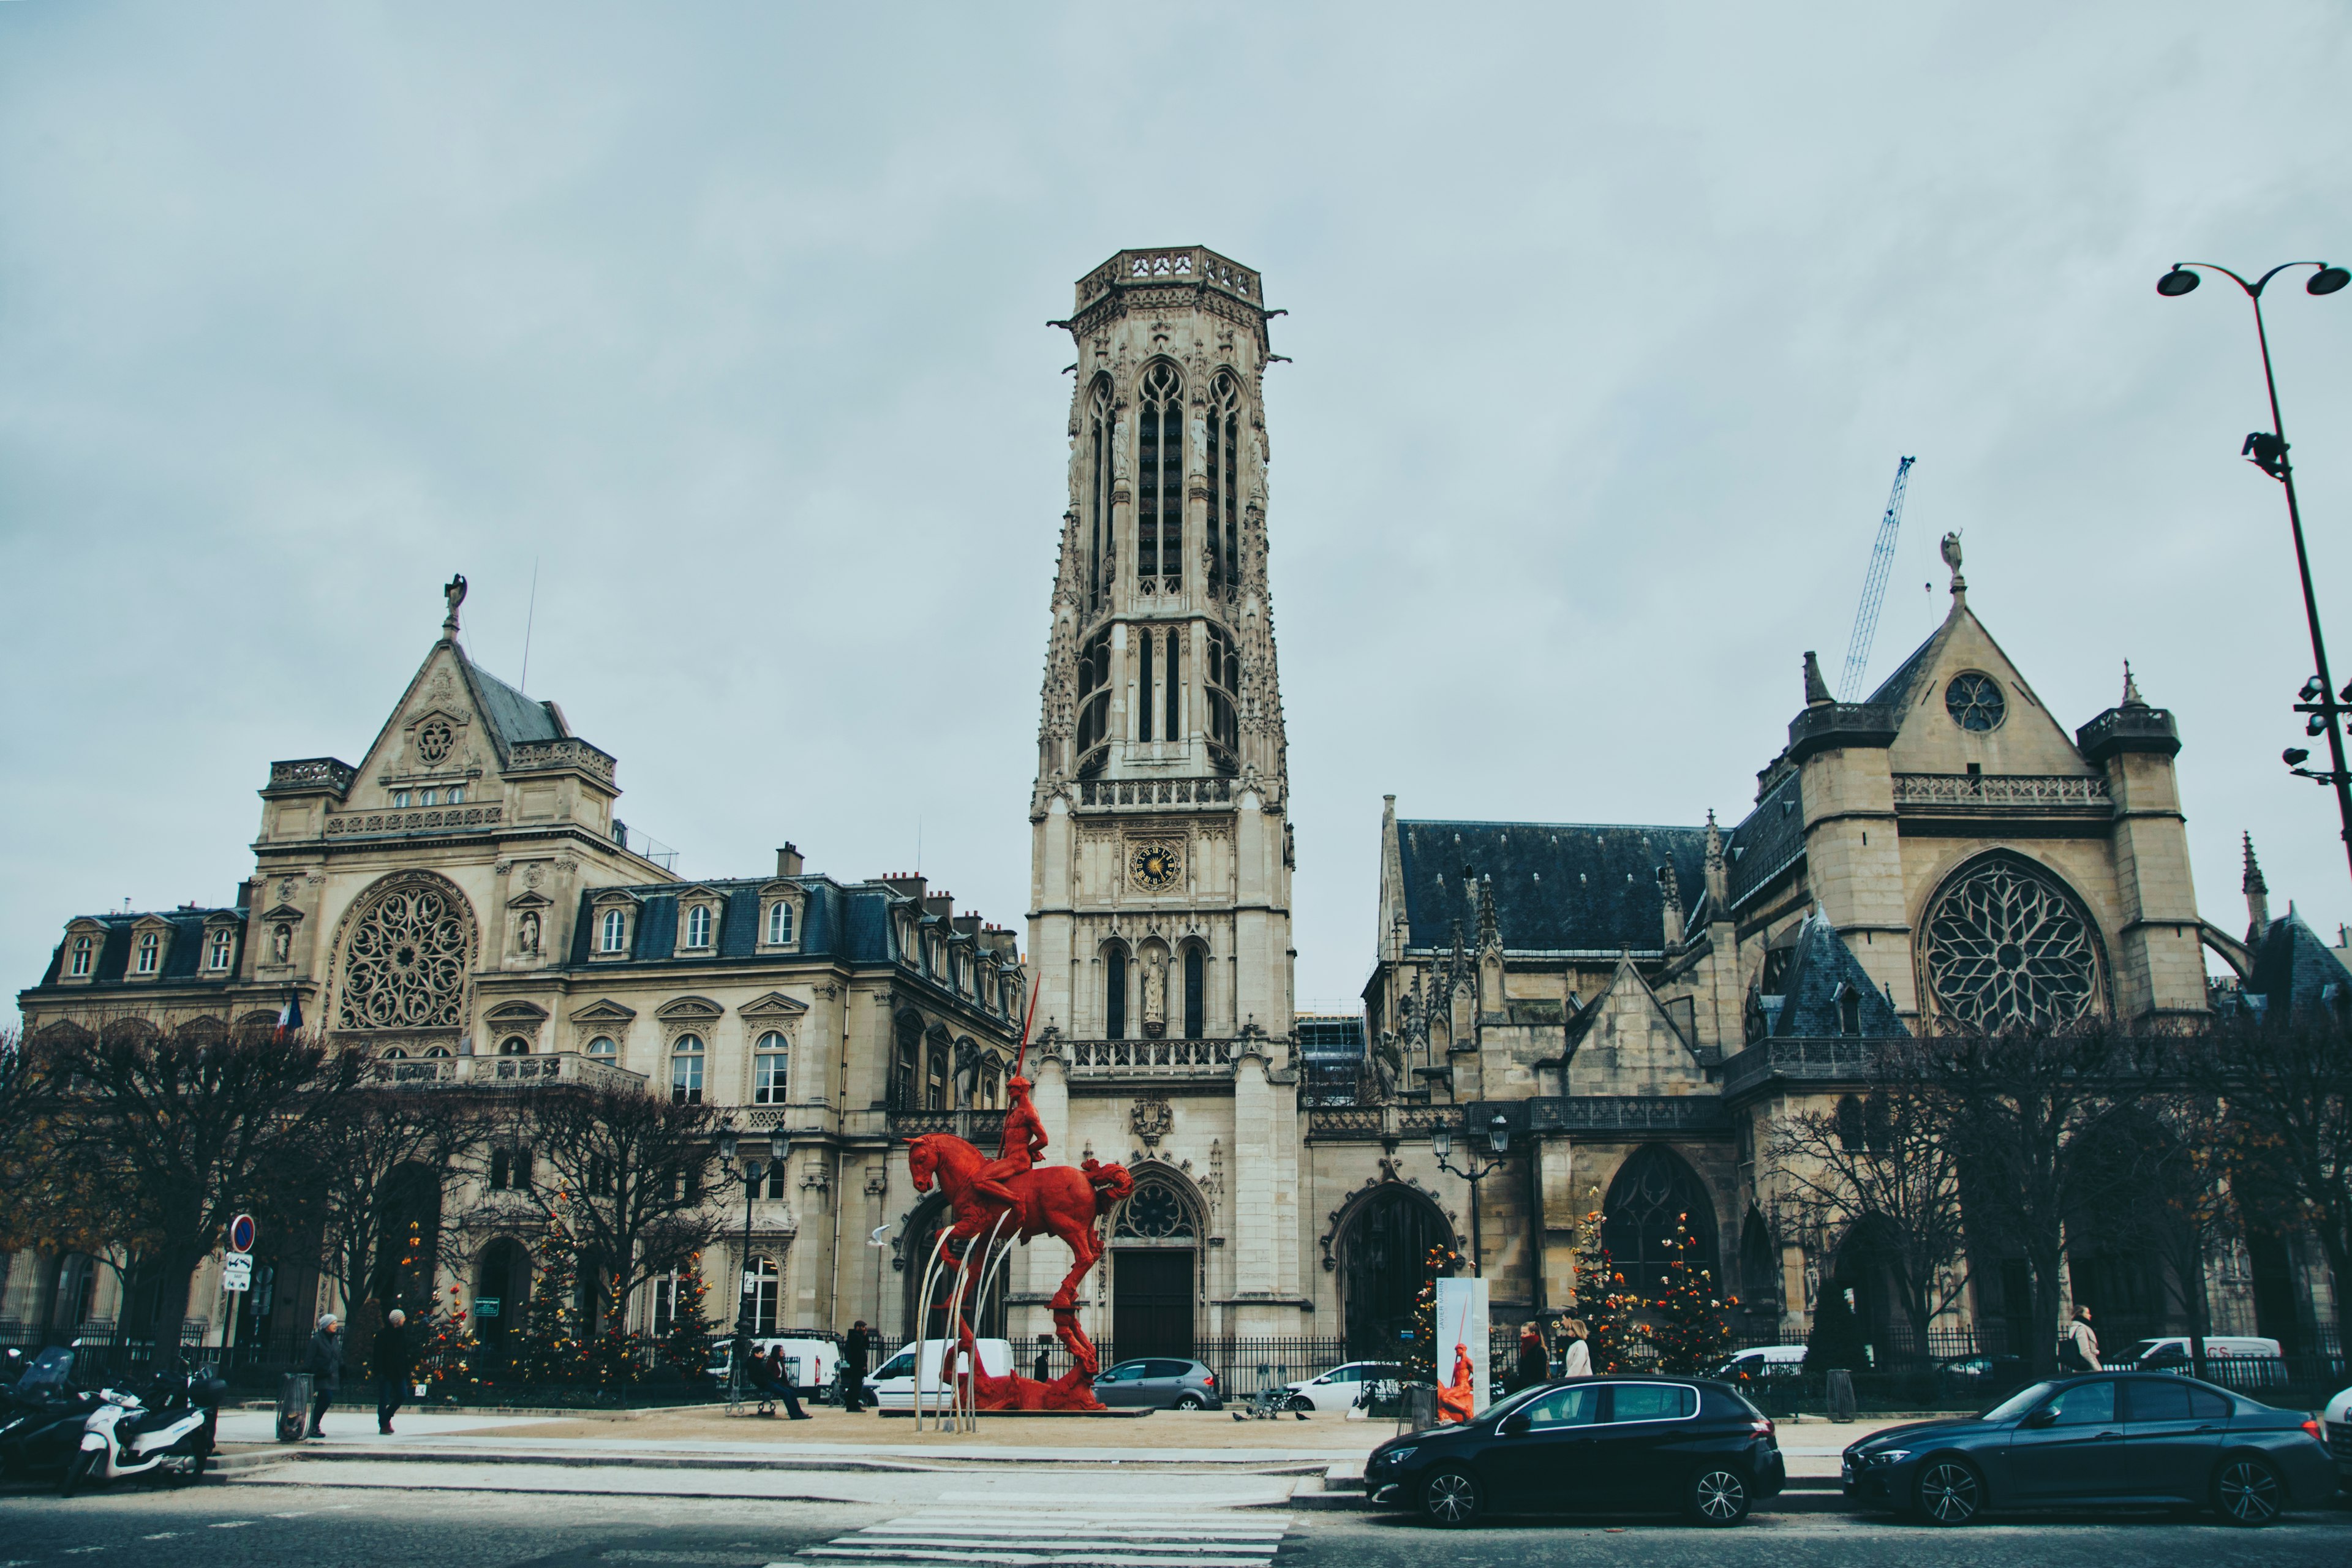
<point x="1609" y="324"/>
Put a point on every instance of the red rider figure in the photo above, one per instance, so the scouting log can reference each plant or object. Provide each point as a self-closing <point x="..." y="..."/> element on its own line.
<point x="1024" y="1140"/>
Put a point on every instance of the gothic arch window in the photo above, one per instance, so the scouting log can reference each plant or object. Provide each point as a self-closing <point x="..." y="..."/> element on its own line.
<point x="1382" y="1260"/>
<point x="2005" y="945"/>
<point x="1156" y="1212"/>
<point x="1221" y="678"/>
<point x="1196" y="990"/>
<point x="1224" y="432"/>
<point x="1160" y="481"/>
<point x="406" y="954"/>
<point x="1115" y="992"/>
<point x="1102" y="548"/>
<point x="1094" y="702"/>
<point x="1172" y="726"/>
<point x="1654" y="1190"/>
<point x="1146" y="641"/>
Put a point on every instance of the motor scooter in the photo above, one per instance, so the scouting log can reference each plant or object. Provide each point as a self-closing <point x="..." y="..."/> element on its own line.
<point x="41" y="1417"/>
<point x="121" y="1436"/>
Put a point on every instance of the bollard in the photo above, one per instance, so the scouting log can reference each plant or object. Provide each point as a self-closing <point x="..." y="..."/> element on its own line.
<point x="1841" y="1394"/>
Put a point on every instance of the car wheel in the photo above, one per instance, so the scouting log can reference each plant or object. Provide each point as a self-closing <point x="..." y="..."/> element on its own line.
<point x="1452" y="1498"/>
<point x="1717" y="1496"/>
<point x="2248" y="1492"/>
<point x="1190" y="1402"/>
<point x="77" y="1469"/>
<point x="1950" y="1493"/>
<point x="1300" y="1402"/>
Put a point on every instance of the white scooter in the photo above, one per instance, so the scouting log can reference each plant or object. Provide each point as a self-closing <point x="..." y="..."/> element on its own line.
<point x="124" y="1438"/>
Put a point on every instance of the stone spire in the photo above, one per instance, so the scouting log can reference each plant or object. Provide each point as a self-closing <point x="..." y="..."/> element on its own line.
<point x="2258" y="896"/>
<point x="2132" y="699"/>
<point x="1670" y="886"/>
<point x="1817" y="690"/>
<point x="1718" y="873"/>
<point x="1490" y="934"/>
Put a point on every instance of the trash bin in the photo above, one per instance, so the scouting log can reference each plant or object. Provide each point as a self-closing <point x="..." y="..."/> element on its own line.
<point x="1417" y="1411"/>
<point x="293" y="1407"/>
<point x="1841" y="1394"/>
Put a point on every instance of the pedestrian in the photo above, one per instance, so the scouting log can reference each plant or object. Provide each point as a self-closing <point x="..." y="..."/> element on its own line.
<point x="1576" y="1361"/>
<point x="325" y="1366"/>
<point x="1535" y="1360"/>
<point x="2082" y="1342"/>
<point x="393" y="1358"/>
<point x="1043" y="1370"/>
<point x="780" y="1382"/>
<point x="855" y="1350"/>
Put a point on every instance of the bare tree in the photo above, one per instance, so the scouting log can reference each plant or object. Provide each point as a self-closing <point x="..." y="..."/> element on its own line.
<point x="2289" y="1087"/>
<point x="624" y="1170"/>
<point x="376" y="1134"/>
<point x="176" y="1131"/>
<point x="1886" y="1161"/>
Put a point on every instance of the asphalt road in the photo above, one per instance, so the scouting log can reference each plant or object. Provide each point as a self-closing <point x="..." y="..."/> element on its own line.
<point x="907" y="1520"/>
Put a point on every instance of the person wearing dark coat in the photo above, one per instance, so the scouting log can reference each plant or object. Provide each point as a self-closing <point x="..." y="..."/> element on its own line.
<point x="325" y="1366"/>
<point x="1535" y="1360"/>
<point x="855" y="1351"/>
<point x="392" y="1360"/>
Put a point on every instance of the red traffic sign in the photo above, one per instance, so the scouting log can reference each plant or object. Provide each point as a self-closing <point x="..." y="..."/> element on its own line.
<point x="240" y="1233"/>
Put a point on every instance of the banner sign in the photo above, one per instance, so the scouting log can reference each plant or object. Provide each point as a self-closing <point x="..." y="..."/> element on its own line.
<point x="1462" y="1321"/>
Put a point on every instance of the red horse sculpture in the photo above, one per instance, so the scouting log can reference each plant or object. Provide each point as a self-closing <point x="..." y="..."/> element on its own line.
<point x="1061" y="1201"/>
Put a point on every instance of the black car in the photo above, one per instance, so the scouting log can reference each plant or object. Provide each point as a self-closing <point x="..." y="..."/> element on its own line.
<point x="1619" y="1444"/>
<point x="2104" y="1438"/>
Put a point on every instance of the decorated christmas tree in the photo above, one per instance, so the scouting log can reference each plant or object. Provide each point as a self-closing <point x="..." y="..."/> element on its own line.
<point x="445" y="1350"/>
<point x="1420" y="1353"/>
<point x="1836" y="1339"/>
<point x="1601" y="1302"/>
<point x="550" y="1352"/>
<point x="1687" y="1324"/>
<point x="687" y="1345"/>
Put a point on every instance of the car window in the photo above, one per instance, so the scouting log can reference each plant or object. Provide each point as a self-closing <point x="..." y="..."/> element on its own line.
<point x="1576" y="1406"/>
<point x="1126" y="1372"/>
<point x="2085" y="1405"/>
<point x="2017" y="1404"/>
<point x="1345" y="1375"/>
<point x="2156" y="1399"/>
<point x="2204" y="1404"/>
<point x="1650" y="1402"/>
<point x="1166" y="1368"/>
<point x="900" y="1365"/>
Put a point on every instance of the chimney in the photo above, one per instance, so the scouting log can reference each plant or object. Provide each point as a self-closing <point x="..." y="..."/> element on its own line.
<point x="904" y="886"/>
<point x="788" y="862"/>
<point x="939" y="904"/>
<point x="967" y="924"/>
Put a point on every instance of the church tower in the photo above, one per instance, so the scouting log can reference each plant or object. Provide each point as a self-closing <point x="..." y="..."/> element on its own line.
<point x="1162" y="860"/>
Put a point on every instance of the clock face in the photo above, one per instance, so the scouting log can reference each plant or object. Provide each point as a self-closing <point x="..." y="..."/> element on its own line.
<point x="1155" y="865"/>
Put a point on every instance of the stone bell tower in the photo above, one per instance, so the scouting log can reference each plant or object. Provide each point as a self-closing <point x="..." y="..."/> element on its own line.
<point x="1161" y="869"/>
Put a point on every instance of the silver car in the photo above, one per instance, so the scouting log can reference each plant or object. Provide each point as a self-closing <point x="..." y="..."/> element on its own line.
<point x="1159" y="1382"/>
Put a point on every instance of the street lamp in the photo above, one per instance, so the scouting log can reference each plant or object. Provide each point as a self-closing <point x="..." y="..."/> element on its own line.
<point x="2267" y="451"/>
<point x="1499" y="1139"/>
<point x="779" y="1148"/>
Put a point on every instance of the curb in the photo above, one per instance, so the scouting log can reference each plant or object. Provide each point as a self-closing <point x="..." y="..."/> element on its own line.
<point x="258" y="1459"/>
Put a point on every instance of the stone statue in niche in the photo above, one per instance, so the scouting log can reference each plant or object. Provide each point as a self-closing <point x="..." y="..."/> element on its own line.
<point x="527" y="935"/>
<point x="1155" y="994"/>
<point x="281" y="944"/>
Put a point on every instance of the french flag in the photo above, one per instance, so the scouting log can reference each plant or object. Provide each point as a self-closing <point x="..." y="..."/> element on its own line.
<point x="289" y="1018"/>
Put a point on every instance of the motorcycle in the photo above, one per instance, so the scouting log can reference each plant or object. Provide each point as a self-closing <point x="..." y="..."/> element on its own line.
<point x="42" y="1418"/>
<point x="121" y="1436"/>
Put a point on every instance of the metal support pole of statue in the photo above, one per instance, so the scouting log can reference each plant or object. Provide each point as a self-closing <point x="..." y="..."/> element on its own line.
<point x="2268" y="451"/>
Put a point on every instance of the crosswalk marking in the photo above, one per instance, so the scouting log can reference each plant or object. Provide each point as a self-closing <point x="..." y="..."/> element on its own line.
<point x="1005" y="1537"/>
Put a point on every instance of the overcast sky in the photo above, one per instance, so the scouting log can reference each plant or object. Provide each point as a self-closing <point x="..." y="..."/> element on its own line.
<point x="1609" y="324"/>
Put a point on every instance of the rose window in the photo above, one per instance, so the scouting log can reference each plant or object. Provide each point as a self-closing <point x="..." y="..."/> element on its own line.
<point x="2006" y="947"/>
<point x="404" y="965"/>
<point x="1974" y="701"/>
<point x="1154" y="1214"/>
<point x="433" y="739"/>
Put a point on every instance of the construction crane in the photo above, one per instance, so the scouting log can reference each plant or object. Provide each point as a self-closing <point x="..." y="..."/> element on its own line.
<point x="1873" y="589"/>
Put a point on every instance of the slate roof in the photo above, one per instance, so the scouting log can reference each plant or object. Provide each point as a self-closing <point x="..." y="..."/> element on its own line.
<point x="2293" y="968"/>
<point x="1819" y="970"/>
<point x="1772" y="837"/>
<point x="1559" y="886"/>
<point x="515" y="717"/>
<point x="849" y="923"/>
<point x="181" y="959"/>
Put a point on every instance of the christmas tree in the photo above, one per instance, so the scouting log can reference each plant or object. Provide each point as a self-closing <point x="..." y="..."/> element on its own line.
<point x="1421" y="1355"/>
<point x="445" y="1350"/>
<point x="687" y="1345"/>
<point x="1688" y="1327"/>
<point x="550" y="1352"/>
<point x="1600" y="1300"/>
<point x="1836" y="1339"/>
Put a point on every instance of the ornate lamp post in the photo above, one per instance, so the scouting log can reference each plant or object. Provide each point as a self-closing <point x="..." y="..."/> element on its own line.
<point x="779" y="1147"/>
<point x="2267" y="451"/>
<point x="1499" y="1139"/>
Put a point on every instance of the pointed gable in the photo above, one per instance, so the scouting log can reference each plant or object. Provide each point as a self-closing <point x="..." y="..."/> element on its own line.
<point x="1625" y="1042"/>
<point x="1826" y="992"/>
<point x="2027" y="738"/>
<point x="2295" y="972"/>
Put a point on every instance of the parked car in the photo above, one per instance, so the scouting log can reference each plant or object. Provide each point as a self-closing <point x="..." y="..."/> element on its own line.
<point x="1761" y="1361"/>
<point x="1979" y="1379"/>
<point x="1618" y="1443"/>
<point x="2109" y="1437"/>
<point x="1342" y="1386"/>
<point x="2336" y="1423"/>
<point x="894" y="1384"/>
<point x="1159" y="1382"/>
<point x="810" y="1364"/>
<point x="2254" y="1362"/>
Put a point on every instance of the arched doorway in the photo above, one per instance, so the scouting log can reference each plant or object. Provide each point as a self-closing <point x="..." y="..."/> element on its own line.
<point x="1155" y="1267"/>
<point x="409" y="1248"/>
<point x="1383" y="1261"/>
<point x="501" y="1298"/>
<point x="1760" y="1268"/>
<point x="1656" y="1188"/>
<point x="1868" y="1266"/>
<point x="922" y="1234"/>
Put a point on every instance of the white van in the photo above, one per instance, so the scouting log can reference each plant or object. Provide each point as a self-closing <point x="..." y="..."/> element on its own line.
<point x="810" y="1364"/>
<point x="893" y="1386"/>
<point x="2338" y="1428"/>
<point x="2170" y="1353"/>
<point x="1762" y="1361"/>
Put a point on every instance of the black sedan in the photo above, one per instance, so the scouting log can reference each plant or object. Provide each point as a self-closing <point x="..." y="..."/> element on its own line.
<point x="1618" y="1443"/>
<point x="2105" y="1438"/>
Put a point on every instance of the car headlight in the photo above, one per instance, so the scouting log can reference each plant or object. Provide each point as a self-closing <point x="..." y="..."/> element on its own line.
<point x="1889" y="1456"/>
<point x="1398" y="1456"/>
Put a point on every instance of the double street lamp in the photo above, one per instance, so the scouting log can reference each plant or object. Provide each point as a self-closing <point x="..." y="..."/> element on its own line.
<point x="2322" y="703"/>
<point x="1497" y="1137"/>
<point x="779" y="1148"/>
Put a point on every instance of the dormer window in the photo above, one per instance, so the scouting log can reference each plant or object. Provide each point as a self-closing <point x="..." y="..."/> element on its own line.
<point x="84" y="951"/>
<point x="698" y="925"/>
<point x="612" y="932"/>
<point x="151" y="954"/>
<point x="780" y="923"/>
<point x="216" y="953"/>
